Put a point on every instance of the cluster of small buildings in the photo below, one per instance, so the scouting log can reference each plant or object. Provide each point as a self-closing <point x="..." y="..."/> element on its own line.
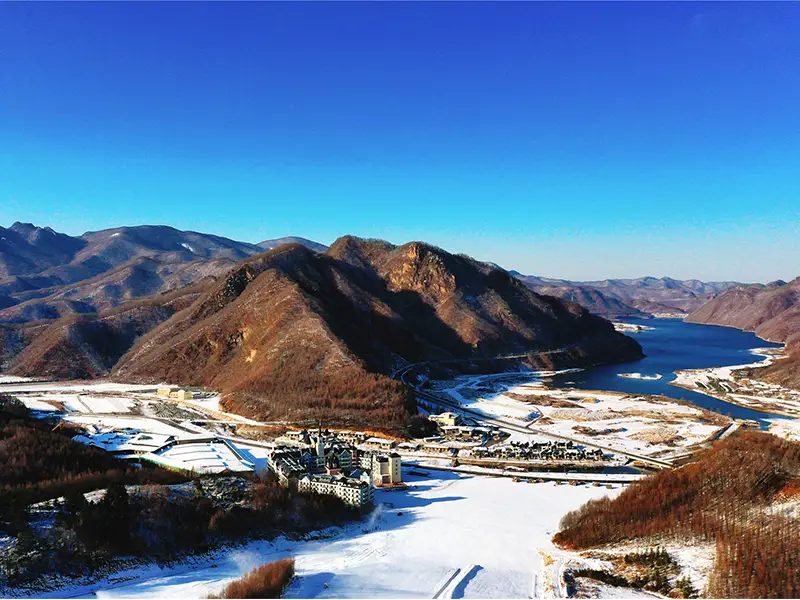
<point x="467" y="434"/>
<point x="540" y="451"/>
<point x="324" y="463"/>
<point x="176" y="394"/>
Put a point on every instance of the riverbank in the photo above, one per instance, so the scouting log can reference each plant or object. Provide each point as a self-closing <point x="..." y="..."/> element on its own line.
<point x="672" y="346"/>
<point x="730" y="385"/>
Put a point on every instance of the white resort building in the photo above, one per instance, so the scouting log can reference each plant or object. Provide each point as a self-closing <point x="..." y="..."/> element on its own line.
<point x="449" y="419"/>
<point x="386" y="469"/>
<point x="355" y="492"/>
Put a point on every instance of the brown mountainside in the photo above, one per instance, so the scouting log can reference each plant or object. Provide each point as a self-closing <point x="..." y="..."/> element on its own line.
<point x="47" y="275"/>
<point x="86" y="346"/>
<point x="772" y="312"/>
<point x="297" y="334"/>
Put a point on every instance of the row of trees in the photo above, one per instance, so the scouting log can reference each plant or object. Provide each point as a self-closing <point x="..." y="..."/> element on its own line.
<point x="723" y="497"/>
<point x="349" y="396"/>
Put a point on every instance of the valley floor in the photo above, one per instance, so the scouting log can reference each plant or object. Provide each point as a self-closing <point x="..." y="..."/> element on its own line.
<point x="457" y="537"/>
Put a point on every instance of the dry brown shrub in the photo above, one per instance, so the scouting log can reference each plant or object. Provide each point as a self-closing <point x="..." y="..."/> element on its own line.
<point x="267" y="581"/>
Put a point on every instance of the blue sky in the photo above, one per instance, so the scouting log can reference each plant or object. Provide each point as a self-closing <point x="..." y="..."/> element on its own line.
<point x="575" y="140"/>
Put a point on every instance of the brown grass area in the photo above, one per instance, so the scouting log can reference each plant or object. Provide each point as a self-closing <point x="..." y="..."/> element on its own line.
<point x="541" y="400"/>
<point x="267" y="581"/>
<point x="657" y="435"/>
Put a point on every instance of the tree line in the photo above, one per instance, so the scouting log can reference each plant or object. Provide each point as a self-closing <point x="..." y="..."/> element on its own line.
<point x="723" y="497"/>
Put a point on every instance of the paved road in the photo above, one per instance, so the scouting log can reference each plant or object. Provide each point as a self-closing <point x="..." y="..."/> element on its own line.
<point x="533" y="475"/>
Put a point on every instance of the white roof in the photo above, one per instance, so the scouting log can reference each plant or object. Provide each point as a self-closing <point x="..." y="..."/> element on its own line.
<point x="203" y="457"/>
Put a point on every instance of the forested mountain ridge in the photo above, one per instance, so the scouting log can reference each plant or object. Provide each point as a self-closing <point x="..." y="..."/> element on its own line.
<point x="294" y="332"/>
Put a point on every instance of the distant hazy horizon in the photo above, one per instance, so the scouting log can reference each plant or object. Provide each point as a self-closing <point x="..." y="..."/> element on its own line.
<point x="257" y="239"/>
<point x="568" y="140"/>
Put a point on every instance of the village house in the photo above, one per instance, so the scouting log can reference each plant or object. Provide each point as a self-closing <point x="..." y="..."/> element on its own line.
<point x="446" y="418"/>
<point x="408" y="447"/>
<point x="351" y="437"/>
<point x="438" y="449"/>
<point x="377" y="443"/>
<point x="294" y="437"/>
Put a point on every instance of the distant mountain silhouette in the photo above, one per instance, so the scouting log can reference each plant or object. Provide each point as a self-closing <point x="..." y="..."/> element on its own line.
<point x="641" y="297"/>
<point x="271" y="244"/>
<point x="46" y="275"/>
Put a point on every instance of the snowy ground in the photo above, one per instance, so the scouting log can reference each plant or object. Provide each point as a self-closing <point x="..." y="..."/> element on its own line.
<point x="134" y="418"/>
<point x="644" y="425"/>
<point x="4" y="379"/>
<point x="458" y="536"/>
<point x="76" y="387"/>
<point x="695" y="559"/>
<point x="788" y="429"/>
<point x="725" y="383"/>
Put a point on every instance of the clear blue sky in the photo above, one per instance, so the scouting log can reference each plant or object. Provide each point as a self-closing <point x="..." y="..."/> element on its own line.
<point x="568" y="140"/>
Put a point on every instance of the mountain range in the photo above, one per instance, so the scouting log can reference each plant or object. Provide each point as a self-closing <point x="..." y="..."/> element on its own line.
<point x="46" y="275"/>
<point x="289" y="327"/>
<point x="291" y="333"/>
<point x="641" y="297"/>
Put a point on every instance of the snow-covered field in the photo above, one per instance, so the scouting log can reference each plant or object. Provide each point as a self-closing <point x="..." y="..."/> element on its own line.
<point x="460" y="536"/>
<point x="639" y="424"/>
<point x="4" y="379"/>
<point x="482" y="393"/>
<point x="76" y="403"/>
<point x="723" y="382"/>
<point x="786" y="428"/>
<point x="76" y="387"/>
<point x="138" y="424"/>
<point x="202" y="457"/>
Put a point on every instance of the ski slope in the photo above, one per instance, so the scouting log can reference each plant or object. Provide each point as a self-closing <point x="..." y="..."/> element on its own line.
<point x="459" y="536"/>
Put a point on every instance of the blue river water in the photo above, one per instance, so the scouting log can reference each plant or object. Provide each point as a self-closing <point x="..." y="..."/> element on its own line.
<point x="674" y="345"/>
